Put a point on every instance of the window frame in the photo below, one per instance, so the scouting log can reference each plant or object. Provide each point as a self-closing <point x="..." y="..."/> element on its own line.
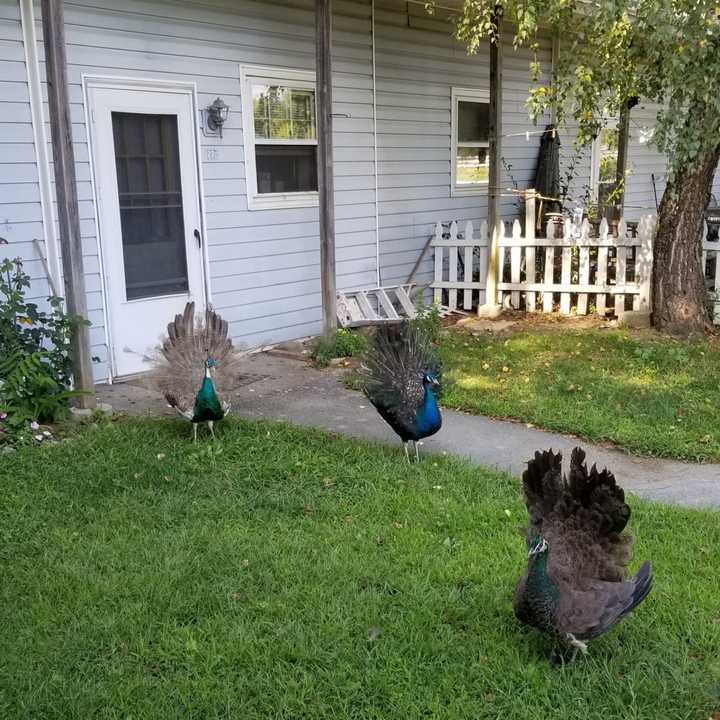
<point x="460" y="94"/>
<point x="609" y="123"/>
<point x="303" y="80"/>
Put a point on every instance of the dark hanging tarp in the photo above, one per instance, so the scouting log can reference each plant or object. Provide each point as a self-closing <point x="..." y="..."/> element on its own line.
<point x="547" y="175"/>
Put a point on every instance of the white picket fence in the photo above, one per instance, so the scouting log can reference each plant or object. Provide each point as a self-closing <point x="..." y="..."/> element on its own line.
<point x="461" y="264"/>
<point x="568" y="267"/>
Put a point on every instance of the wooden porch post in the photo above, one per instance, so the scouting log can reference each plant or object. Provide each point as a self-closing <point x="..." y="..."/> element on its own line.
<point x="622" y="157"/>
<point x="491" y="307"/>
<point x="66" y="192"/>
<point x="326" y="184"/>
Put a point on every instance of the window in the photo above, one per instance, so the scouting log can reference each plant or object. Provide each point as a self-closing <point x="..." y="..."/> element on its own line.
<point x="470" y="134"/>
<point x="280" y="138"/>
<point x="604" y="170"/>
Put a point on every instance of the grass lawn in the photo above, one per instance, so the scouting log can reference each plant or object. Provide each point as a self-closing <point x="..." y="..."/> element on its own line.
<point x="648" y="394"/>
<point x="285" y="573"/>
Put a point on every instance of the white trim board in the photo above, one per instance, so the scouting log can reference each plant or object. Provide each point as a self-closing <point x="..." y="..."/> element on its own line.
<point x="40" y="140"/>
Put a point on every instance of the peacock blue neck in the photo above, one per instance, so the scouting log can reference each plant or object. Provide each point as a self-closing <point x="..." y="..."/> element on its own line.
<point x="428" y="418"/>
<point x="541" y="592"/>
<point x="207" y="403"/>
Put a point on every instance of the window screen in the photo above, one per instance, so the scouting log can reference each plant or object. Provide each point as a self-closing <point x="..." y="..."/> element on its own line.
<point x="471" y="143"/>
<point x="285" y="139"/>
<point x="607" y="171"/>
<point x="147" y="161"/>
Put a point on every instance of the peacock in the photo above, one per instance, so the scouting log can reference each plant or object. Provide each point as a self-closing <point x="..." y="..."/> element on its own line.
<point x="576" y="587"/>
<point x="401" y="375"/>
<point x="197" y="368"/>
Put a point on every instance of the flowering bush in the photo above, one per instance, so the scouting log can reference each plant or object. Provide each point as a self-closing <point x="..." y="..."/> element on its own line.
<point x="35" y="365"/>
<point x="15" y="429"/>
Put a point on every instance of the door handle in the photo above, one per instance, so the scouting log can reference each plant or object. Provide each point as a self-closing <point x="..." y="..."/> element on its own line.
<point x="198" y="237"/>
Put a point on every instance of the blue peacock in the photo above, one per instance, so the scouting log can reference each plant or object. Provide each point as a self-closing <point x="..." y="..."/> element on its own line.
<point x="197" y="368"/>
<point x="576" y="587"/>
<point x="401" y="376"/>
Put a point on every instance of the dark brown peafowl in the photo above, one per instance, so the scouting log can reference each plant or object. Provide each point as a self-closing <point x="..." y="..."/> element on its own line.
<point x="576" y="587"/>
<point x="401" y="375"/>
<point x="197" y="368"/>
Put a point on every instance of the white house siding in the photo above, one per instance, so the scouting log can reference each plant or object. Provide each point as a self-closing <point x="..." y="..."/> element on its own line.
<point x="20" y="210"/>
<point x="644" y="161"/>
<point x="264" y="264"/>
<point x="417" y="65"/>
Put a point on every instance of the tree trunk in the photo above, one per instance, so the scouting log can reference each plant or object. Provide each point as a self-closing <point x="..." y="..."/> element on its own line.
<point x="680" y="298"/>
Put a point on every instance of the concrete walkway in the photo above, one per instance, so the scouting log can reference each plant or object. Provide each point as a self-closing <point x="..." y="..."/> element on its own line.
<point x="290" y="390"/>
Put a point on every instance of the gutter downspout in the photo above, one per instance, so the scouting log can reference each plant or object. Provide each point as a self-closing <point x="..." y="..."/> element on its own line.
<point x="40" y="141"/>
<point x="375" y="148"/>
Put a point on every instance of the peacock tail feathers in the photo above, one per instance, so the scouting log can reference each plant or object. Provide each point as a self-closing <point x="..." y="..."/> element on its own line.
<point x="180" y="364"/>
<point x="393" y="367"/>
<point x="583" y="518"/>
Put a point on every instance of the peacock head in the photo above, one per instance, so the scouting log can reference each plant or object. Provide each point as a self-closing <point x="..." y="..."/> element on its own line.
<point x="209" y="365"/>
<point x="430" y="379"/>
<point x="538" y="546"/>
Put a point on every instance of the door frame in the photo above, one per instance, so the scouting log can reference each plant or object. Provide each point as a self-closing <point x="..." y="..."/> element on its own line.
<point x="89" y="82"/>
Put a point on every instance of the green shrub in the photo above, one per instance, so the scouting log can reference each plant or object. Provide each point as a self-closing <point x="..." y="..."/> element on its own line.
<point x="342" y="343"/>
<point x="35" y="364"/>
<point x="428" y="321"/>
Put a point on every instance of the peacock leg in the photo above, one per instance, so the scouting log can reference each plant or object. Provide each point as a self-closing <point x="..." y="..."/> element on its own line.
<point x="576" y="645"/>
<point x="194" y="432"/>
<point x="407" y="454"/>
<point x="212" y="429"/>
<point x="556" y="658"/>
<point x="417" y="451"/>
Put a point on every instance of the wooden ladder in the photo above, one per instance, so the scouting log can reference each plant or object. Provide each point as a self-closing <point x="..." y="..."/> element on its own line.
<point x="370" y="306"/>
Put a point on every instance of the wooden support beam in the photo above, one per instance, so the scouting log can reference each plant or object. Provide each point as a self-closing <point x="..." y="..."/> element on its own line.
<point x="495" y="149"/>
<point x="622" y="156"/>
<point x="66" y="193"/>
<point x="326" y="183"/>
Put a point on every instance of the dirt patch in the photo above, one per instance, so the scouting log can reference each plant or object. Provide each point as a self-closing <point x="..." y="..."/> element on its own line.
<point x="512" y="321"/>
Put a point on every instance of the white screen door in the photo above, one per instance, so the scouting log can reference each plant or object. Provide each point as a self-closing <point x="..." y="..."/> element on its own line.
<point x="148" y="212"/>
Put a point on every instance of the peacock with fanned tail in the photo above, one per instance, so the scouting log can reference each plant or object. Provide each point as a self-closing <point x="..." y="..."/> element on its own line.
<point x="197" y="368"/>
<point x="576" y="587"/>
<point x="401" y="375"/>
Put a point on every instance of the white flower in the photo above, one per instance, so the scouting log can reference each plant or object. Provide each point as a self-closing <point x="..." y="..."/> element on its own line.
<point x="39" y="438"/>
<point x="47" y="433"/>
<point x="34" y="426"/>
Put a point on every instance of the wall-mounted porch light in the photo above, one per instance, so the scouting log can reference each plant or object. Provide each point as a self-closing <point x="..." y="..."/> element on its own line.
<point x="217" y="113"/>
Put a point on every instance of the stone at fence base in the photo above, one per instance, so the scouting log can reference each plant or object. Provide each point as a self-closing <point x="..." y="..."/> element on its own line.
<point x="489" y="311"/>
<point x="634" y="319"/>
<point x="79" y="414"/>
